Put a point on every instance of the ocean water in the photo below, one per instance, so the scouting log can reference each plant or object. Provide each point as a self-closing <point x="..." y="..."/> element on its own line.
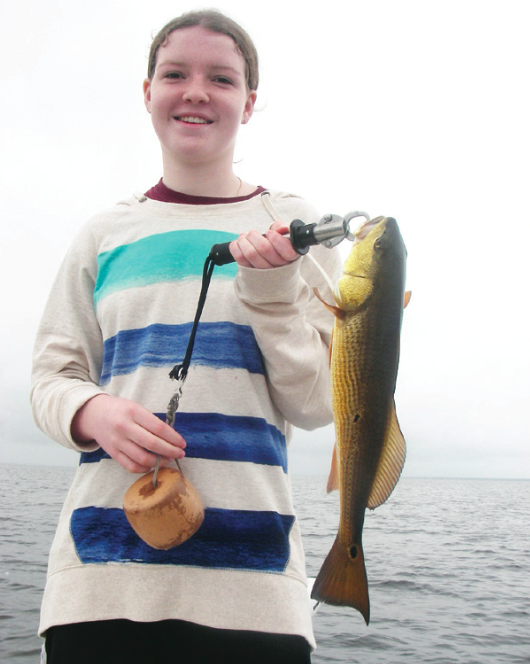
<point x="448" y="565"/>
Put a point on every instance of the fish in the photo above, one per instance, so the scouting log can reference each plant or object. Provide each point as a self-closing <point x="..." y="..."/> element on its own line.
<point x="370" y="448"/>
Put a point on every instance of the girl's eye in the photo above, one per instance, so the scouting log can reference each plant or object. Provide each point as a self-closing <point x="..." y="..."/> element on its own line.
<point x="223" y="79"/>
<point x="174" y="74"/>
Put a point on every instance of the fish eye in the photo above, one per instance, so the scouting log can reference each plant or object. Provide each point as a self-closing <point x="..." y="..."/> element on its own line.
<point x="378" y="244"/>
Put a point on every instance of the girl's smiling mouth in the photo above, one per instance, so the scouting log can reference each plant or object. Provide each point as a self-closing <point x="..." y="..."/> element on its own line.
<point x="193" y="119"/>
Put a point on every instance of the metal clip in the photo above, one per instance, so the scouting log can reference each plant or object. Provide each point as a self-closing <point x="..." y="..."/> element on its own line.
<point x="172" y="408"/>
<point x="173" y="404"/>
<point x="330" y="230"/>
<point x="349" y="217"/>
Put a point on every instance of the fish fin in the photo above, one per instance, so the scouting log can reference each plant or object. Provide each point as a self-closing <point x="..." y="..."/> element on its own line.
<point x="390" y="464"/>
<point x="408" y="295"/>
<point x="331" y="345"/>
<point x="336" y="311"/>
<point x="342" y="579"/>
<point x="333" y="480"/>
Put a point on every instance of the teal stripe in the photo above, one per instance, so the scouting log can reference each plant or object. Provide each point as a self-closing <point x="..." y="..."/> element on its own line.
<point x="159" y="258"/>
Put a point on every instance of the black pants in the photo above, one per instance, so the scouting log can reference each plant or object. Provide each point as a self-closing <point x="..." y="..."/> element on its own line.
<point x="169" y="642"/>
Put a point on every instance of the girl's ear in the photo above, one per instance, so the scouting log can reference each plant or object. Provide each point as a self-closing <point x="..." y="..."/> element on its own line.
<point x="147" y="94"/>
<point x="249" y="107"/>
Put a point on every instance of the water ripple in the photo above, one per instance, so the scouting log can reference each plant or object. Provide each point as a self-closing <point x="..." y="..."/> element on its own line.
<point x="448" y="566"/>
<point x="443" y="590"/>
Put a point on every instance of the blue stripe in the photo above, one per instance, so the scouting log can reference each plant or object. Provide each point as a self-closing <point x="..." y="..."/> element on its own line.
<point x="231" y="438"/>
<point x="221" y="345"/>
<point x="93" y="457"/>
<point x="159" y="258"/>
<point x="223" y="438"/>
<point x="234" y="539"/>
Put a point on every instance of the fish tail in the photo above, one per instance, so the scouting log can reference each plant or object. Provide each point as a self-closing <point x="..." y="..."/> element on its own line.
<point x="342" y="579"/>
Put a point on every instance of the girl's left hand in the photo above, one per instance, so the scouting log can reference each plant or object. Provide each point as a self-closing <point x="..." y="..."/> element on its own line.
<point x="274" y="249"/>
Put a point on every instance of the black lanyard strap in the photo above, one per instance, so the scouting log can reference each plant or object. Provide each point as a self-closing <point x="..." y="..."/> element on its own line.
<point x="180" y="371"/>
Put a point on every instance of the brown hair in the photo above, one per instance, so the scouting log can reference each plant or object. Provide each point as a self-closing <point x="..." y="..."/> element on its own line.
<point x="216" y="22"/>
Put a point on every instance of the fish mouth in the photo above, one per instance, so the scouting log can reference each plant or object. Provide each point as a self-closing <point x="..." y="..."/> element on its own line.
<point x="365" y="228"/>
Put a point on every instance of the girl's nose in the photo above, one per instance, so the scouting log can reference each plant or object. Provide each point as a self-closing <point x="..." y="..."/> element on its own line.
<point x="195" y="91"/>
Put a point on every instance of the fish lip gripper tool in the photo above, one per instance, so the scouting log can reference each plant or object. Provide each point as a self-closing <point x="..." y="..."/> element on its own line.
<point x="329" y="231"/>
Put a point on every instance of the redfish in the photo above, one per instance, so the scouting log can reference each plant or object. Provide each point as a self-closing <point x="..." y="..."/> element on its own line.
<point x="370" y="449"/>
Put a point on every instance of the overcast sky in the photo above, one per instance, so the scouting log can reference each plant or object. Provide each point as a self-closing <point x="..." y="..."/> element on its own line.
<point x="413" y="109"/>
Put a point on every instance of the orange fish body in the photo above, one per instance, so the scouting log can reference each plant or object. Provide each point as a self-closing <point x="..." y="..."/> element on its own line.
<point x="370" y="450"/>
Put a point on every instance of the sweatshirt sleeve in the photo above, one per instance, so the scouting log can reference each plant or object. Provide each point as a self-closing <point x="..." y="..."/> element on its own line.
<point x="69" y="347"/>
<point x="293" y="330"/>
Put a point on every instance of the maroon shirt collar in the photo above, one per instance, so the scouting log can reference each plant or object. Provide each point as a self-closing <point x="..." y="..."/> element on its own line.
<point x="160" y="192"/>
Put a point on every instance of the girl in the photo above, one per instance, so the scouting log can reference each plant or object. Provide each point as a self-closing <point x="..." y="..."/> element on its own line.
<point x="117" y="319"/>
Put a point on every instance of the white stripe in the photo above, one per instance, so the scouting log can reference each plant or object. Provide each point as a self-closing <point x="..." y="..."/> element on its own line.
<point x="228" y="391"/>
<point x="237" y="486"/>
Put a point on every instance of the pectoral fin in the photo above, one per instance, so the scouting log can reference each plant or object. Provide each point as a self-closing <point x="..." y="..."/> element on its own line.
<point x="390" y="464"/>
<point x="336" y="311"/>
<point x="408" y="295"/>
<point x="333" y="480"/>
<point x="331" y="347"/>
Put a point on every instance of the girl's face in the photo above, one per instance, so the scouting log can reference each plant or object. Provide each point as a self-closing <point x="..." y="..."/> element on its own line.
<point x="198" y="97"/>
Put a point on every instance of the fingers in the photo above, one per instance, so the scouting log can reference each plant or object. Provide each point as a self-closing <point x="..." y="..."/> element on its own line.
<point x="282" y="245"/>
<point x="130" y="464"/>
<point x="129" y="433"/>
<point x="279" y="227"/>
<point x="142" y="438"/>
<point x="156" y="436"/>
<point x="130" y="455"/>
<point x="264" y="252"/>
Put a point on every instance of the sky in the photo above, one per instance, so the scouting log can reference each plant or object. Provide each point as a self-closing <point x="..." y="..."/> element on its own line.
<point x="413" y="109"/>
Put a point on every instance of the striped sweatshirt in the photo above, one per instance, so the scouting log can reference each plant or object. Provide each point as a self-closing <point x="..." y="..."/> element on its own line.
<point x="117" y="320"/>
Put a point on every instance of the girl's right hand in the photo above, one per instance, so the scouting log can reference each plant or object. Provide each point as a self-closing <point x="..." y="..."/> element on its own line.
<point x="274" y="249"/>
<point x="128" y="432"/>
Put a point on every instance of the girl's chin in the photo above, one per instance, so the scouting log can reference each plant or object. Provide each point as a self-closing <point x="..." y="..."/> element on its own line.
<point x="196" y="151"/>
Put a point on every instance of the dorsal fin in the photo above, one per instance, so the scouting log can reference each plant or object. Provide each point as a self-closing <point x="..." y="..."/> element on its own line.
<point x="390" y="464"/>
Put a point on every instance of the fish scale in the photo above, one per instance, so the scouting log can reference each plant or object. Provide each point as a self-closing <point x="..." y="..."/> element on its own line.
<point x="370" y="449"/>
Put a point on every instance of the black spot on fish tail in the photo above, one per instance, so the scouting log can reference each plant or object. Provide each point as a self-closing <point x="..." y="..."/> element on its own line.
<point x="342" y="579"/>
<point x="357" y="418"/>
